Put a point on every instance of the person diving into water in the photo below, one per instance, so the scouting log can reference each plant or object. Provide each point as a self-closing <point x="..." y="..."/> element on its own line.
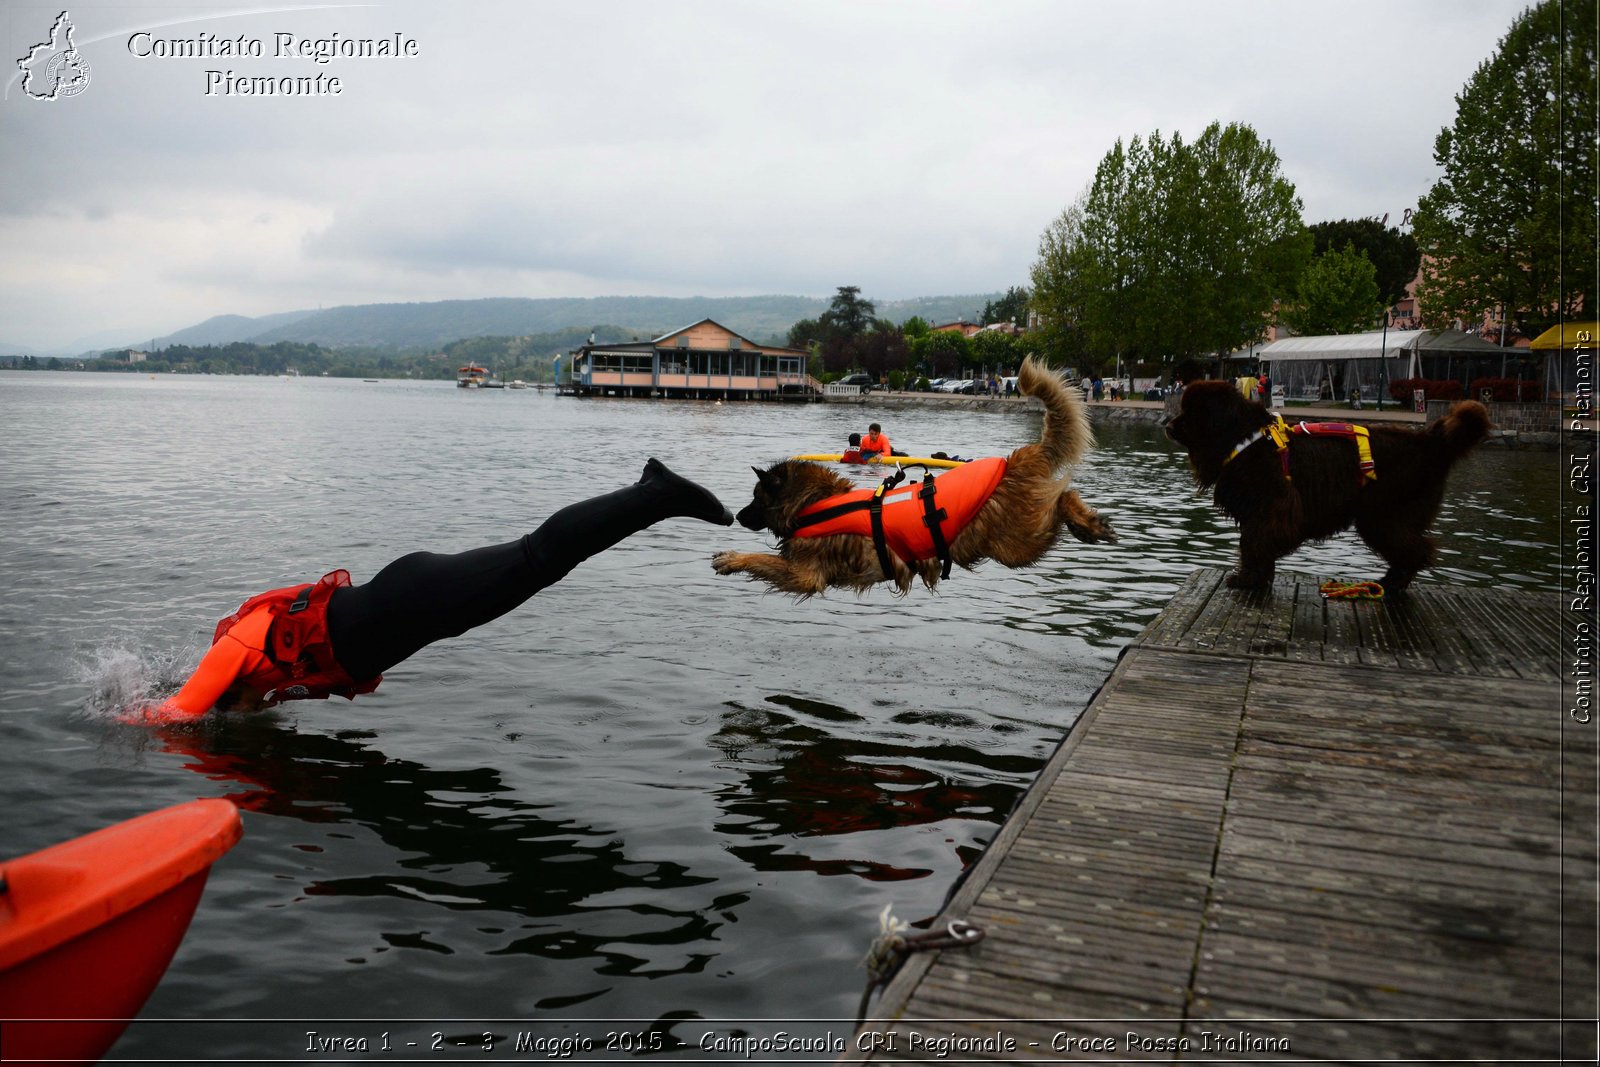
<point x="330" y="637"/>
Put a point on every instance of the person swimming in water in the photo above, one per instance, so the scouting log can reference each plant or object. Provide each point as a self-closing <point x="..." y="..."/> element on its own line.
<point x="330" y="637"/>
<point x="876" y="443"/>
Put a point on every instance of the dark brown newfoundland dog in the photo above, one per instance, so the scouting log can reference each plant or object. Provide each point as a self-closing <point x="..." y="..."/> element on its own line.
<point x="1324" y="490"/>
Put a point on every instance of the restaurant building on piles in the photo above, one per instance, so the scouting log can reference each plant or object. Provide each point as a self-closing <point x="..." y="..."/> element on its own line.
<point x="702" y="361"/>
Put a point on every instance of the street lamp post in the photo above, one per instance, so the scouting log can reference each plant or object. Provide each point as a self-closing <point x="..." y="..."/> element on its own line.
<point x="1502" y="317"/>
<point x="1383" y="361"/>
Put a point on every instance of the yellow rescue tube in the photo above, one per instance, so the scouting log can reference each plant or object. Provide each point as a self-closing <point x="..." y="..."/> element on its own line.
<point x="886" y="461"/>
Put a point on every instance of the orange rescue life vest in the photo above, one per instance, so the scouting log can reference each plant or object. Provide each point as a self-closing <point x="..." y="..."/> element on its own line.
<point x="917" y="522"/>
<point x="298" y="643"/>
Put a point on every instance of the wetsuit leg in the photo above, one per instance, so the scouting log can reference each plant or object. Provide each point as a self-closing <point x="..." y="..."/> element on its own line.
<point x="425" y="597"/>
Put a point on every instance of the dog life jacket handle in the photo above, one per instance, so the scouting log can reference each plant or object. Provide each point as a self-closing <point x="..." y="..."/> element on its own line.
<point x="932" y="517"/>
<point x="875" y="513"/>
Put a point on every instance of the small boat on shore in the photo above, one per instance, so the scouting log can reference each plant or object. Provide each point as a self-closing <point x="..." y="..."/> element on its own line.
<point x="88" y="926"/>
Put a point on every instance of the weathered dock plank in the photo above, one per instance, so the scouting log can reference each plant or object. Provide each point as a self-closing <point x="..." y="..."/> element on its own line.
<point x="1289" y="827"/>
<point x="1186" y="603"/>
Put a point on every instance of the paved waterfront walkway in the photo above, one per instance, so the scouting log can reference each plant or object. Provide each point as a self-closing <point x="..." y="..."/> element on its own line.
<point x="1151" y="410"/>
<point x="1288" y="827"/>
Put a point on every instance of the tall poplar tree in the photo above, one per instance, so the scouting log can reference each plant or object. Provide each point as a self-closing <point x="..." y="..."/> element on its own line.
<point x="1512" y="224"/>
<point x="1175" y="249"/>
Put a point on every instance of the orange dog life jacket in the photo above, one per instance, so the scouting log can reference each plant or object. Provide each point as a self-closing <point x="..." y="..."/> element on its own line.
<point x="915" y="523"/>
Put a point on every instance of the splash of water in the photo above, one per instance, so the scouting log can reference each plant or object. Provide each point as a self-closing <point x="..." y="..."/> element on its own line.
<point x="119" y="679"/>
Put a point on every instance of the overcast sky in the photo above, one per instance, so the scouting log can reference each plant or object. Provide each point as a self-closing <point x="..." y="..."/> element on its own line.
<point x="662" y="148"/>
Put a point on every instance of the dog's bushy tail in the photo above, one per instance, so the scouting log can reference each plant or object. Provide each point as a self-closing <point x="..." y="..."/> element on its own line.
<point x="1463" y="426"/>
<point x="1067" y="436"/>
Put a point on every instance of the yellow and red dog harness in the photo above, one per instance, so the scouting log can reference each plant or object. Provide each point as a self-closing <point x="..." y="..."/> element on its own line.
<point x="1279" y="431"/>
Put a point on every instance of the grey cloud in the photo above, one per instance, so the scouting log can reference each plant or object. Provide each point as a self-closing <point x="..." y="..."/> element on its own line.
<point x="629" y="146"/>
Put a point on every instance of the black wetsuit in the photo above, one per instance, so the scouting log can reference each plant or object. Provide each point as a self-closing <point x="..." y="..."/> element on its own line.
<point x="425" y="597"/>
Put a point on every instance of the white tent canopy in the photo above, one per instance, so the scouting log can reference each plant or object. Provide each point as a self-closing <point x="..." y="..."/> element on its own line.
<point x="1334" y="366"/>
<point x="1340" y="346"/>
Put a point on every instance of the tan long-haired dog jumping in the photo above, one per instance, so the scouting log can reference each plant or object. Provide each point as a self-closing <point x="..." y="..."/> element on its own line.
<point x="1008" y="510"/>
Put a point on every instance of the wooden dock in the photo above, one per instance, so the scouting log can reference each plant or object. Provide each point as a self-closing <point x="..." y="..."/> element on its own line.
<point x="1289" y="828"/>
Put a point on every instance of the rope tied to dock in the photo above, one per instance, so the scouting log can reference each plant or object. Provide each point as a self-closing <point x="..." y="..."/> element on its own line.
<point x="892" y="945"/>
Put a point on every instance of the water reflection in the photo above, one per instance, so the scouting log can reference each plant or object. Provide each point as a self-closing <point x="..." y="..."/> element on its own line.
<point x="462" y="843"/>
<point x="802" y="780"/>
<point x="610" y="837"/>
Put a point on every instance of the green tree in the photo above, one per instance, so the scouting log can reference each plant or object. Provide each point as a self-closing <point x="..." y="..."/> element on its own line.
<point x="805" y="333"/>
<point x="941" y="354"/>
<point x="1012" y="307"/>
<point x="847" y="320"/>
<point x="882" y="350"/>
<point x="1062" y="290"/>
<point x="1337" y="293"/>
<point x="1394" y="255"/>
<point x="914" y="327"/>
<point x="848" y="315"/>
<point x="1060" y="344"/>
<point x="1175" y="249"/>
<point x="995" y="350"/>
<point x="1249" y="241"/>
<point x="1512" y="223"/>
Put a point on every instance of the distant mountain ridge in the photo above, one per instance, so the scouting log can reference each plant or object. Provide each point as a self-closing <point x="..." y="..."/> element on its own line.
<point x="439" y="322"/>
<point x="225" y="329"/>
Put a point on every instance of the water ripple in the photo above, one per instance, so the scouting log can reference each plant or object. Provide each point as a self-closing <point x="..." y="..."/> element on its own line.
<point x="619" y="799"/>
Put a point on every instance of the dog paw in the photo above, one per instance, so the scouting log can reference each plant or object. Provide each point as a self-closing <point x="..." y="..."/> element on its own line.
<point x="1095" y="531"/>
<point x="1247" y="582"/>
<point x="724" y="563"/>
<point x="1394" y="581"/>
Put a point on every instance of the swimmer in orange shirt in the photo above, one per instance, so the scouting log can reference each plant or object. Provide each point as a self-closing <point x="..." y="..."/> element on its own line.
<point x="332" y="638"/>
<point x="876" y="443"/>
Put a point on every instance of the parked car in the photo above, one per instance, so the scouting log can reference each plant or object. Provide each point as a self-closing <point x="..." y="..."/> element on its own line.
<point x="859" y="379"/>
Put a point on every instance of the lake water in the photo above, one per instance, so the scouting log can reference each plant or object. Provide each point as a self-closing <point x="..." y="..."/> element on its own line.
<point x="652" y="795"/>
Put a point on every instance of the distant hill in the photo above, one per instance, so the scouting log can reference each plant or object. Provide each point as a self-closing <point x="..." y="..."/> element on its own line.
<point x="439" y="322"/>
<point x="225" y="329"/>
<point x="938" y="309"/>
